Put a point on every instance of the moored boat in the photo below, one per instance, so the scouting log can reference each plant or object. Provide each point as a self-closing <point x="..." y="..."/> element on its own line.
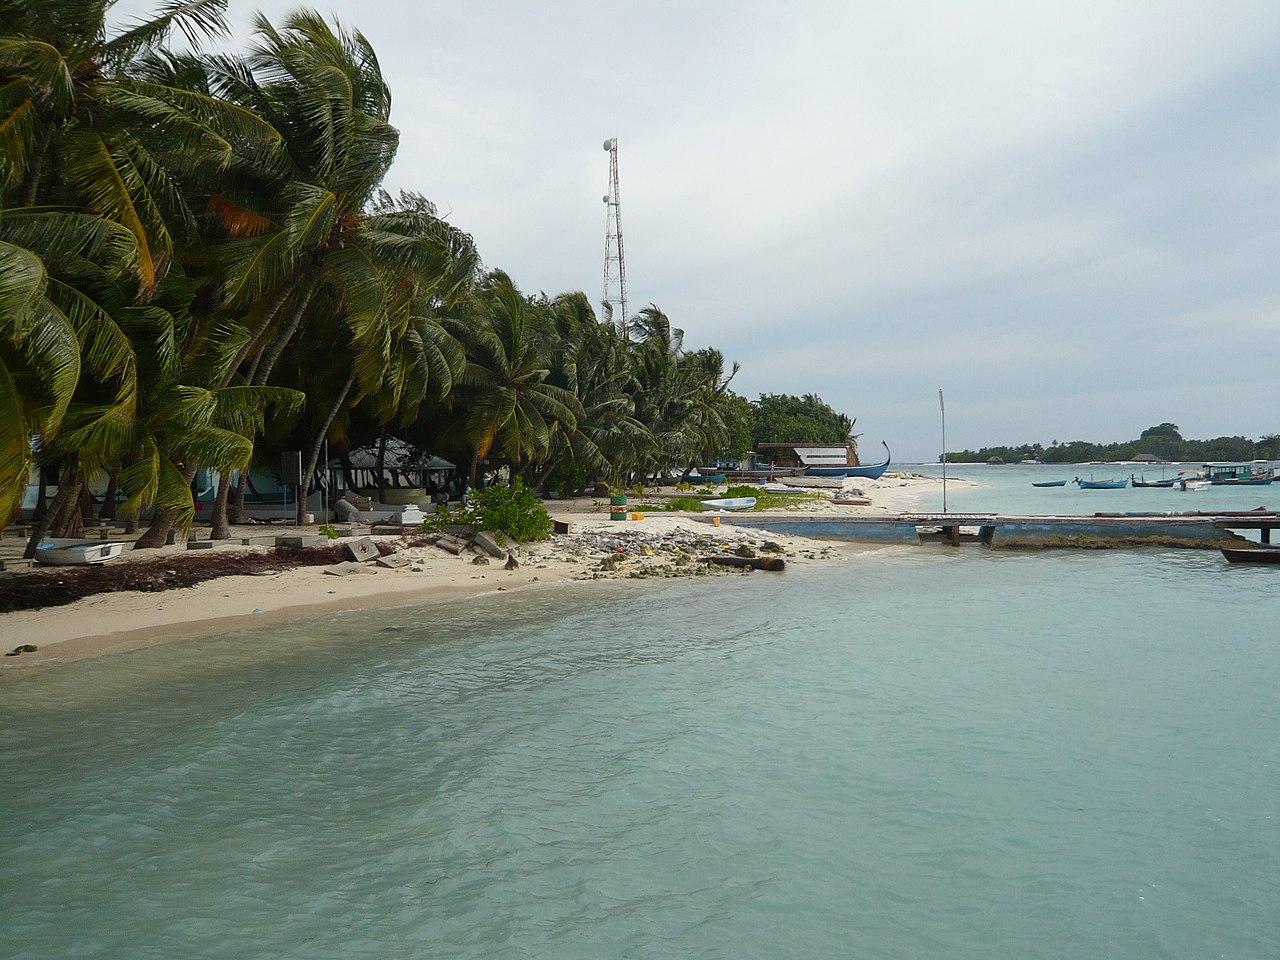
<point x="1252" y="554"/>
<point x="1048" y="483"/>
<point x="730" y="503"/>
<point x="59" y="552"/>
<point x="1235" y="475"/>
<point x="1102" y="484"/>
<point x="1144" y="482"/>
<point x="873" y="472"/>
<point x="820" y="460"/>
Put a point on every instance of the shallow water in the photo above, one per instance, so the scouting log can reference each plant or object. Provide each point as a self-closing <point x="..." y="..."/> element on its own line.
<point x="1008" y="489"/>
<point x="919" y="753"/>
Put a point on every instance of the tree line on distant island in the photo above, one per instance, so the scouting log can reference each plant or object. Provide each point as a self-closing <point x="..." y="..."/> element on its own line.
<point x="1163" y="441"/>
<point x="199" y="269"/>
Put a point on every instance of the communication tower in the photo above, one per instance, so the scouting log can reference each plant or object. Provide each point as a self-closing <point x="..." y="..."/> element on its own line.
<point x="614" y="302"/>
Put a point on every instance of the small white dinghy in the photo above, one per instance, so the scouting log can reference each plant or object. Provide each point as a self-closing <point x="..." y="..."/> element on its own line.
<point x="56" y="552"/>
<point x="730" y="503"/>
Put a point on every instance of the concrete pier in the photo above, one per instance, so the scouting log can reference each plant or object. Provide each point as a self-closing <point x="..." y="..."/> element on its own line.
<point x="998" y="531"/>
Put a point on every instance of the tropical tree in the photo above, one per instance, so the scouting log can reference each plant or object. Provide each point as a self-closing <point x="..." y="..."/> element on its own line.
<point x="507" y="402"/>
<point x="77" y="128"/>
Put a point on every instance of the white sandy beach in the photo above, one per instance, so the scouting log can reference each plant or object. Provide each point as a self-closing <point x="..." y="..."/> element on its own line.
<point x="112" y="622"/>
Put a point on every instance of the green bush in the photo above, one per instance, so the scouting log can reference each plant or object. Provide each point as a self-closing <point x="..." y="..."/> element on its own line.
<point x="743" y="491"/>
<point x="515" y="511"/>
<point x="691" y="504"/>
<point x="328" y="530"/>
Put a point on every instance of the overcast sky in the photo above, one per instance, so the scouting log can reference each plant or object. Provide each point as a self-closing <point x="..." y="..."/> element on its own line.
<point x="1067" y="215"/>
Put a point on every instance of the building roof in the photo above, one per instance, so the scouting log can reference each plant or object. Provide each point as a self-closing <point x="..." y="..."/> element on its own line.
<point x="801" y="443"/>
<point x="401" y="456"/>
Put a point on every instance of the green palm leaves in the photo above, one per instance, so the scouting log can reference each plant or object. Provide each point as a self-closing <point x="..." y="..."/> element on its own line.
<point x="188" y="240"/>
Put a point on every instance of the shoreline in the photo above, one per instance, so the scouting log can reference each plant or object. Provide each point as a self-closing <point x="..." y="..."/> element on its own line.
<point x="116" y="622"/>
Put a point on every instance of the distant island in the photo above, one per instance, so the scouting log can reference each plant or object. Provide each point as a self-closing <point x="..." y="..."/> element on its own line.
<point x="1161" y="442"/>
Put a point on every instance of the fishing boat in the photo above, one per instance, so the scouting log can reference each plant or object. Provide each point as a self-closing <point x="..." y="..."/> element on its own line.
<point x="873" y="472"/>
<point x="821" y="460"/>
<point x="1048" y="483"/>
<point x="1191" y="484"/>
<point x="1144" y="482"/>
<point x="730" y="503"/>
<point x="1252" y="554"/>
<point x="1102" y="484"/>
<point x="711" y="476"/>
<point x="59" y="552"/>
<point x="1235" y="475"/>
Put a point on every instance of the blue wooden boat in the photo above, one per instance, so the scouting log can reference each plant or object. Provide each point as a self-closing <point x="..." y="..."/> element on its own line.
<point x="1048" y="483"/>
<point x="1102" y="484"/>
<point x="873" y="472"/>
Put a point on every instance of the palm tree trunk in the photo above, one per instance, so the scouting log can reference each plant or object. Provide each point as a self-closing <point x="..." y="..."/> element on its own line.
<point x="253" y="346"/>
<point x="42" y="498"/>
<point x="31" y="184"/>
<point x="541" y="482"/>
<point x="379" y="480"/>
<point x="221" y="526"/>
<point x="157" y="534"/>
<point x="68" y="493"/>
<point x="108" y="511"/>
<point x="236" y="512"/>
<point x="348" y="477"/>
<point x="272" y="353"/>
<point x="304" y="489"/>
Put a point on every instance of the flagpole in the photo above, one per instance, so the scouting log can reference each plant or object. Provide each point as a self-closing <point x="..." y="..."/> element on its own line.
<point x="942" y="408"/>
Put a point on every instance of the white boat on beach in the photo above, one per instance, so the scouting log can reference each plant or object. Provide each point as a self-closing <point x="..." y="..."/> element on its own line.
<point x="730" y="503"/>
<point x="59" y="552"/>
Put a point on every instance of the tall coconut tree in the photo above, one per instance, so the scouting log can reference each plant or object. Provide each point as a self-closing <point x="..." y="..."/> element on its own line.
<point x="59" y="320"/>
<point x="508" y="401"/>
<point x="77" y="128"/>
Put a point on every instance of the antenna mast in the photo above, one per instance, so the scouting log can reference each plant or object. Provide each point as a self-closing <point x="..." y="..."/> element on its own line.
<point x="614" y="301"/>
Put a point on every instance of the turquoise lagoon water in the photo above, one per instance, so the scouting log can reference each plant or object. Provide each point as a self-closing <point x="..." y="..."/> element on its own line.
<point x="916" y="753"/>
<point x="1008" y="489"/>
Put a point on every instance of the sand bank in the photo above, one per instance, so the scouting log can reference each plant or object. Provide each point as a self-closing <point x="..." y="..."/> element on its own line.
<point x="598" y="549"/>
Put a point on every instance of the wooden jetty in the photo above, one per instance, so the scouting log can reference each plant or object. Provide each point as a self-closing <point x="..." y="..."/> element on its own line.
<point x="1202" y="530"/>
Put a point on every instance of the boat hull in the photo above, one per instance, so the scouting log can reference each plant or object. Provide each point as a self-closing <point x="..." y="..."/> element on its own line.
<point x="1102" y="484"/>
<point x="1252" y="554"/>
<point x="76" y="552"/>
<point x="731" y="503"/>
<point x="1153" y="483"/>
<point x="1251" y="482"/>
<point x="870" y="473"/>
<point x="1049" y="483"/>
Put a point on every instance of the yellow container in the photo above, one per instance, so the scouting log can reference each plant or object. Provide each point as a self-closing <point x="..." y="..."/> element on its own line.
<point x="637" y="516"/>
<point x="715" y="521"/>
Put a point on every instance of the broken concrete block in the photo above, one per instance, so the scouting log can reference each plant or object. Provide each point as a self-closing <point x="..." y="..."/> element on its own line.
<point x="347" y="568"/>
<point x="361" y="550"/>
<point x="489" y="542"/>
<point x="393" y="561"/>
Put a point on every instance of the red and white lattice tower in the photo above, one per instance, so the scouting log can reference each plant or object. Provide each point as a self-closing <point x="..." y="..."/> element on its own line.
<point x="614" y="302"/>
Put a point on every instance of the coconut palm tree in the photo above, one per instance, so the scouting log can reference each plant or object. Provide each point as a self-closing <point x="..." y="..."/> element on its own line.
<point x="507" y="402"/>
<point x="76" y="128"/>
<point x="322" y="89"/>
<point x="59" y="320"/>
